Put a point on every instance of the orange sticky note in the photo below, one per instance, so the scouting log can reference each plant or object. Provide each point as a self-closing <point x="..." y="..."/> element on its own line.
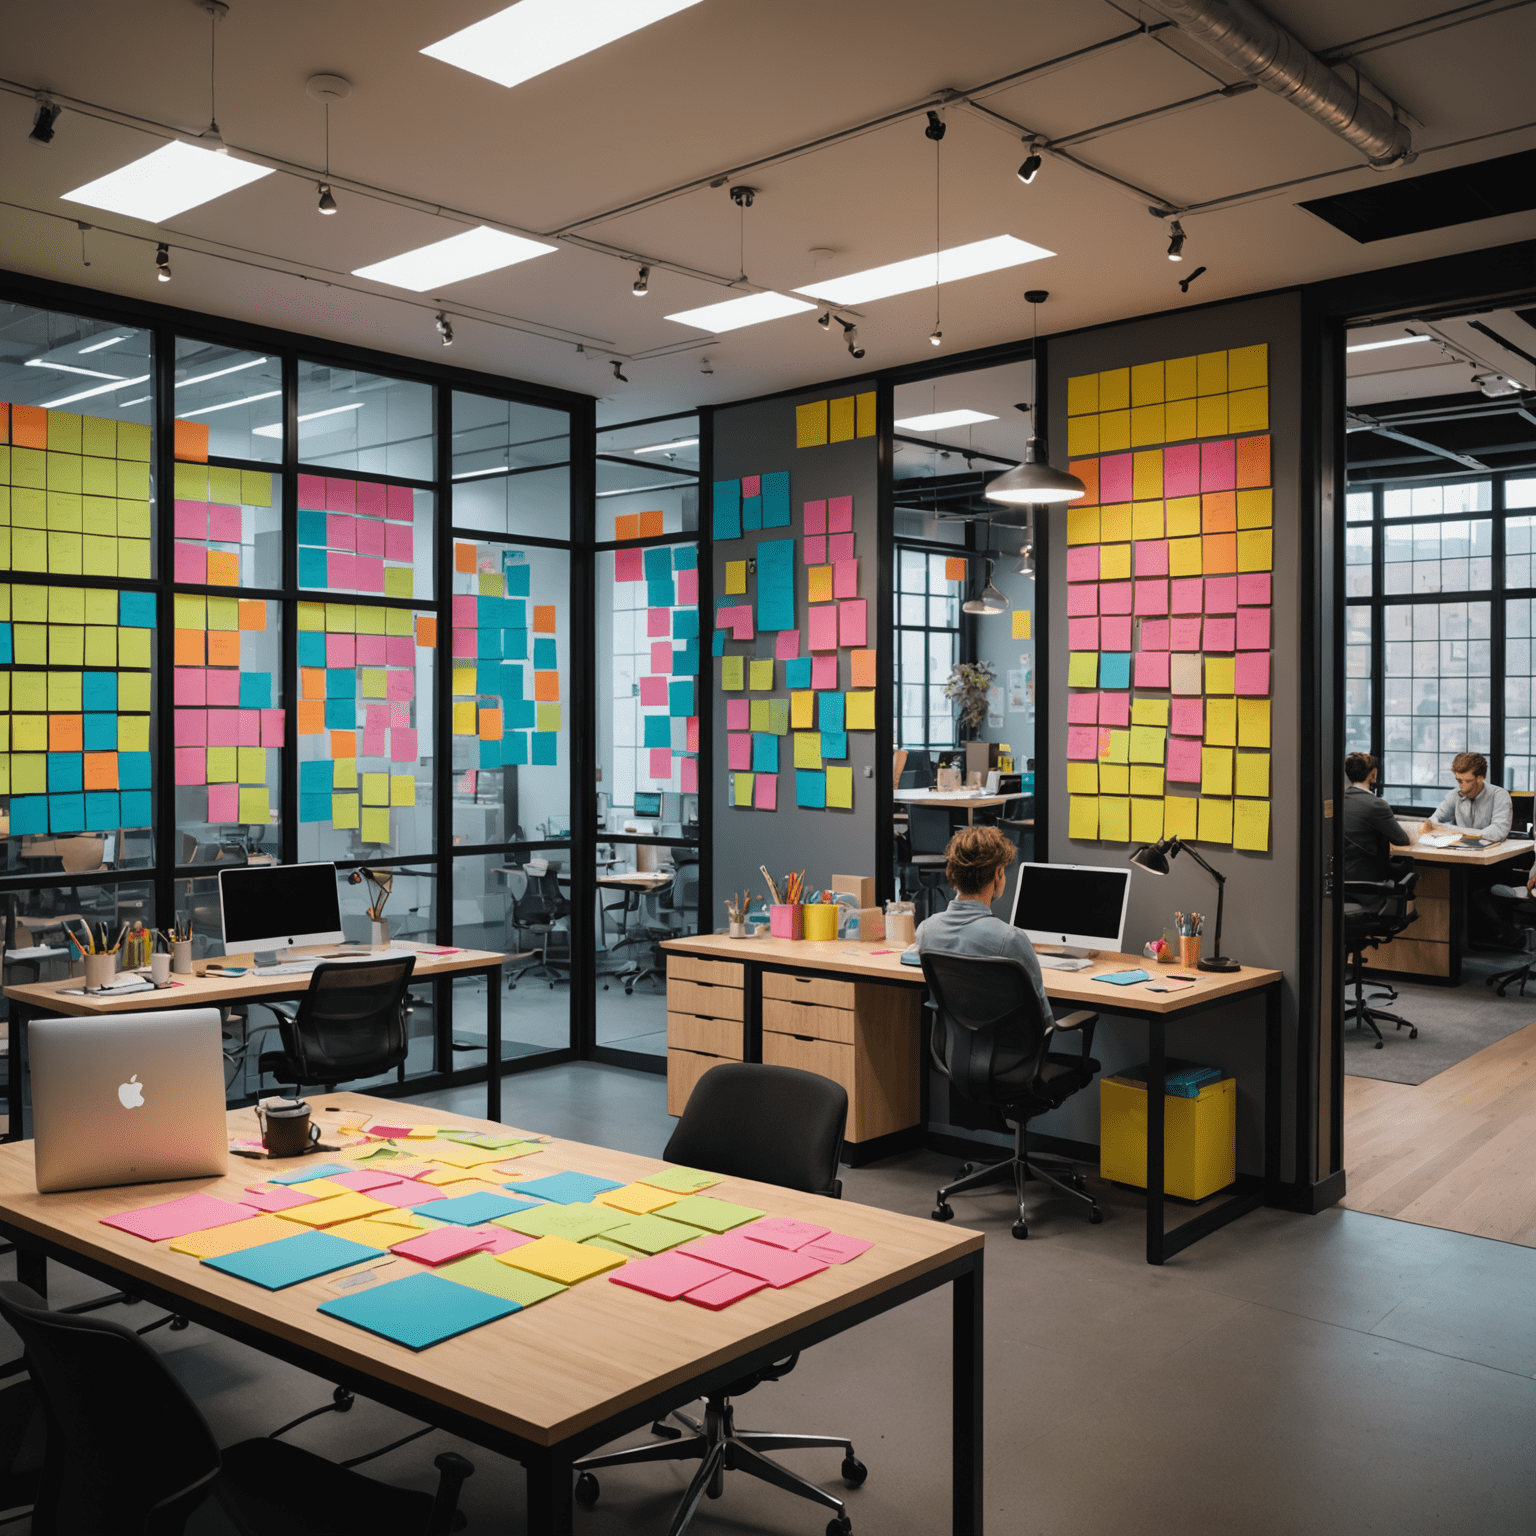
<point x="29" y="426"/>
<point x="464" y="558"/>
<point x="192" y="441"/>
<point x="1087" y="470"/>
<point x="1252" y="462"/>
<point x="5" y="422"/>
<point x="426" y="631"/>
<point x="863" y="669"/>
<point x="546" y="686"/>
<point x="544" y="619"/>
<point x="223" y="568"/>
<point x="189" y="648"/>
<point x="627" y="525"/>
<point x="253" y="613"/>
<point x="490" y="725"/>
<point x="1220" y="553"/>
<point x="223" y="647"/>
<point x="1218" y="513"/>
<point x="64" y="733"/>
<point x="343" y="744"/>
<point x="311" y="717"/>
<point x="311" y="682"/>
<point x="651" y="525"/>
<point x="100" y="770"/>
<point x="954" y="569"/>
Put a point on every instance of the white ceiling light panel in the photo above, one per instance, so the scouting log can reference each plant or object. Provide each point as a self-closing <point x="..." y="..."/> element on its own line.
<point x="942" y="421"/>
<point x="471" y="254"/>
<point x="169" y="181"/>
<point x="993" y="255"/>
<point x="751" y="309"/>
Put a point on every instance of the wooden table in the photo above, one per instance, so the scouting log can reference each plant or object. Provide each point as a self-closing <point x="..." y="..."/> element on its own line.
<point x="553" y="1383"/>
<point x="957" y="800"/>
<point x="50" y="998"/>
<point x="1078" y="989"/>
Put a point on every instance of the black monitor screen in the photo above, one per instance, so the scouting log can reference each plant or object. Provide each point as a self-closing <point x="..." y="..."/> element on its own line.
<point x="271" y="903"/>
<point x="1061" y="903"/>
<point x="647" y="804"/>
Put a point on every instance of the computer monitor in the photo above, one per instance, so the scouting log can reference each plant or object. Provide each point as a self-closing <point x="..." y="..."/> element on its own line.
<point x="271" y="906"/>
<point x="1078" y="905"/>
<point x="647" y="803"/>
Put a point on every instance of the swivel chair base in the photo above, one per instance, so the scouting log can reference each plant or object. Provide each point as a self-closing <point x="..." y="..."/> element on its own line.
<point x="1501" y="980"/>
<point x="1020" y="1168"/>
<point x="1359" y="1011"/>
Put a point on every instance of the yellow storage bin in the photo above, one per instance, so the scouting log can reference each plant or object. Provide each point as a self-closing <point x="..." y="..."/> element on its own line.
<point x="1199" y="1137"/>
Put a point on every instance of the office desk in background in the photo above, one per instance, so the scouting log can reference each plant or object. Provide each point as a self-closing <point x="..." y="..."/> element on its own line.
<point x="50" y="998"/>
<point x="957" y="800"/>
<point x="555" y="1382"/>
<point x="851" y="1014"/>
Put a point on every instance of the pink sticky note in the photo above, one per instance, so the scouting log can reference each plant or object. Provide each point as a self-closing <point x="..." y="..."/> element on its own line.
<point x="629" y="565"/>
<point x="1188" y="718"/>
<point x="726" y="1291"/>
<point x="499" y="1240"/>
<point x="1181" y="470"/>
<point x="176" y="1218"/>
<point x="783" y="1232"/>
<point x="191" y="685"/>
<point x="274" y="1197"/>
<point x="658" y="621"/>
<point x="1114" y="634"/>
<point x="191" y="564"/>
<point x="816" y="550"/>
<point x="374" y="742"/>
<point x="787" y="646"/>
<point x="1154" y="636"/>
<point x="406" y="1194"/>
<point x="400" y="503"/>
<point x="751" y="485"/>
<point x="852" y="622"/>
<point x="690" y="775"/>
<point x="1221" y="594"/>
<point x="466" y="643"/>
<point x="661" y="763"/>
<point x="1220" y="635"/>
<point x="667" y="1275"/>
<point x="368" y="573"/>
<point x="373" y="539"/>
<point x="363" y="1178"/>
<point x="440" y="1245"/>
<point x="223" y="802"/>
<point x="376" y="716"/>
<point x="1152" y="557"/>
<point x="835" y="1248"/>
<point x="247" y="727"/>
<point x="372" y="651"/>
<point x="1115" y="479"/>
<point x="1115" y="710"/>
<point x="815" y="518"/>
<point x="1183" y="760"/>
<point x="1218" y="465"/>
<point x="845" y="578"/>
<point x="371" y="499"/>
<point x="312" y="492"/>
<point x="1082" y="600"/>
<point x="1152" y="669"/>
<point x="399" y="713"/>
<point x="1114" y="597"/>
<point x="691" y="733"/>
<point x="1082" y="743"/>
<point x="1082" y="634"/>
<point x="839" y="547"/>
<point x="823" y="627"/>
<point x="840" y="514"/>
<point x="653" y="691"/>
<point x="191" y="520"/>
<point x="738" y="751"/>
<point x="824" y="672"/>
<point x="191" y="765"/>
<point x="402" y="744"/>
<point x="399" y="683"/>
<point x="765" y="791"/>
<point x="1253" y="673"/>
<point x="738" y="714"/>
<point x="775" y="1265"/>
<point x="661" y="656"/>
<point x="340" y="531"/>
<point x="1184" y="635"/>
<point x="1187" y="595"/>
<point x="341" y="572"/>
<point x="341" y="650"/>
<point x="687" y="588"/>
<point x="340" y="495"/>
<point x="1082" y="709"/>
<point x="465" y="613"/>
<point x="1083" y="563"/>
<point x="272" y="730"/>
<point x="224" y="687"/>
<point x="399" y="650"/>
<point x="191" y="727"/>
<point x="1152" y="596"/>
<point x="1253" y="588"/>
<point x="1253" y="629"/>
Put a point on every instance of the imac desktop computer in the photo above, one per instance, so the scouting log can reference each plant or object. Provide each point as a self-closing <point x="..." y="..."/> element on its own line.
<point x="1076" y="907"/>
<point x="266" y="908"/>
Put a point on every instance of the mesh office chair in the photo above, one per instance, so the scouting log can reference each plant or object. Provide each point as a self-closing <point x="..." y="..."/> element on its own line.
<point x="777" y="1125"/>
<point x="990" y="1041"/>
<point x="134" y="1454"/>
<point x="674" y="901"/>
<point x="1374" y="912"/>
<point x="351" y="1023"/>
<point x="538" y="911"/>
<point x="928" y="833"/>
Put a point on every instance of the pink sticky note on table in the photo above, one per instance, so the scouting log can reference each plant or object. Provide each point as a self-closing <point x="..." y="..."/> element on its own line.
<point x="363" y="1178"/>
<point x="658" y="621"/>
<point x="726" y="1291"/>
<point x="1252" y="673"/>
<point x="845" y="578"/>
<point x="738" y="751"/>
<point x="224" y="524"/>
<point x="824" y="672"/>
<point x="1154" y="636"/>
<point x="816" y="550"/>
<point x="1253" y="588"/>
<point x="340" y="531"/>
<point x="371" y="539"/>
<point x="629" y="565"/>
<point x="1082" y="600"/>
<point x="815" y="518"/>
<point x="1218" y="465"/>
<point x="836" y="1248"/>
<point x="783" y="1232"/>
<point x="1181" y="470"/>
<point x="1253" y="629"/>
<point x="224" y="687"/>
<point x="823" y="627"/>
<point x="499" y="1240"/>
<point x="399" y="542"/>
<point x="274" y="1197"/>
<point x="751" y="485"/>
<point x="1115" y="710"/>
<point x="1083" y="634"/>
<point x="400" y="683"/>
<point x="368" y="573"/>
<point x="176" y="1218"/>
<point x="667" y="1275"/>
<point x="191" y="727"/>
<point x="1220" y="635"/>
<point x="661" y="763"/>
<point x="191" y="685"/>
<point x="852" y="622"/>
<point x="341" y="650"/>
<point x="1082" y="709"/>
<point x="840" y="514"/>
<point x="191" y="765"/>
<point x="1114" y="597"/>
<point x="1115" y="478"/>
<point x="371" y="500"/>
<point x="406" y="1194"/>
<point x="839" y="547"/>
<point x="465" y="613"/>
<point x="738" y="714"/>
<point x="1152" y="596"/>
<point x="191" y="519"/>
<point x="191" y="564"/>
<point x="687" y="588"/>
<point x="653" y="692"/>
<point x="1187" y="595"/>
<point x="223" y="802"/>
<point x="765" y="791"/>
<point x="1083" y="563"/>
<point x="777" y="1266"/>
<point x="661" y="656"/>
<point x="1188" y="717"/>
<point x="1082" y="743"/>
<point x="1115" y="633"/>
<point x="787" y="646"/>
<point x="1184" y="760"/>
<point x="441" y="1245"/>
<point x="1221" y="594"/>
<point x="402" y="744"/>
<point x="1184" y="635"/>
<point x="1152" y="557"/>
<point x="1152" y="669"/>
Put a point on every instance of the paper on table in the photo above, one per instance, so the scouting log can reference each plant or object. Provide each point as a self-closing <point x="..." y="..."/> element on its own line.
<point x="304" y="1256"/>
<point x="420" y="1310"/>
<point x="730" y="1288"/>
<point x="668" y="1275"/>
<point x="777" y="1266"/>
<point x="441" y="1245"/>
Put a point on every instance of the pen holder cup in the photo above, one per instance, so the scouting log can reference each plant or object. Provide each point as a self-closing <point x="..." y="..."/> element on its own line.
<point x="99" y="969"/>
<point x="738" y="930"/>
<point x="181" y="957"/>
<point x="786" y="922"/>
<point x="1189" y="951"/>
<point x="378" y="934"/>
<point x="820" y="920"/>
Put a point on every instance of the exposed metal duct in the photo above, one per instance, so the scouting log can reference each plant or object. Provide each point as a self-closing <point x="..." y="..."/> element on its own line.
<point x="1261" y="49"/>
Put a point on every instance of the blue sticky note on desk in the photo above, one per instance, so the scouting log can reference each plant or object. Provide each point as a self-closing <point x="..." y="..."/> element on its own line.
<point x="313" y="1171"/>
<point x="564" y="1188"/>
<point x="473" y="1210"/>
<point x="1124" y="978"/>
<point x="291" y="1260"/>
<point x="420" y="1311"/>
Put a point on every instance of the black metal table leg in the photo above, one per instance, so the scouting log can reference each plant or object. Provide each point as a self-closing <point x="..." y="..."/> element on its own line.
<point x="32" y="1268"/>
<point x="1156" y="1071"/>
<point x="15" y="1070"/>
<point x="493" y="1050"/>
<point x="550" y="1505"/>
<point x="1272" y="1099"/>
<point x="966" y="1452"/>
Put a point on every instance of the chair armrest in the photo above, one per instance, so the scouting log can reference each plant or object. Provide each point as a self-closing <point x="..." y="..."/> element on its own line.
<point x="287" y="1013"/>
<point x="1084" y="1022"/>
<point x="452" y="1469"/>
<point x="1370" y="888"/>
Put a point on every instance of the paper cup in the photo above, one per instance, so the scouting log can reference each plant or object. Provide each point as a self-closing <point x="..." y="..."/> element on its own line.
<point x="99" y="969"/>
<point x="160" y="969"/>
<point x="181" y="957"/>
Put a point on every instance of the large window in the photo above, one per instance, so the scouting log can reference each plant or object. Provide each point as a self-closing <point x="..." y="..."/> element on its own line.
<point x="928" y="591"/>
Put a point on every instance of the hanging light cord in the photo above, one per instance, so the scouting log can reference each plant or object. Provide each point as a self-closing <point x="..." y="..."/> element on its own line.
<point x="741" y="247"/>
<point x="327" y="141"/>
<point x="938" y="244"/>
<point x="213" y="60"/>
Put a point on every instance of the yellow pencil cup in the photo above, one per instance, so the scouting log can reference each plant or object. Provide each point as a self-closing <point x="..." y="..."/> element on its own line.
<point x="821" y="920"/>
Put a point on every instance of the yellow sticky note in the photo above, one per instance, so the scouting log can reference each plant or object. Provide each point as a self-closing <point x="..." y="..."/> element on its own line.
<point x="802" y="710"/>
<point x="344" y="810"/>
<point x="1255" y="550"/>
<point x="762" y="715"/>
<point x="1115" y="560"/>
<point x="463" y="680"/>
<point x="1082" y="435"/>
<point x="399" y="581"/>
<point x="1147" y="742"/>
<point x="1117" y="749"/>
<point x="375" y="789"/>
<point x="864" y="411"/>
<point x="743" y="786"/>
<point x="375" y="827"/>
<point x="1083" y="669"/>
<point x="735" y="577"/>
<point x="1115" y="523"/>
<point x="1082" y="778"/>
<point x="1149" y="712"/>
<point x="1221" y="722"/>
<point x="133" y="689"/>
<point x="818" y="584"/>
<point x="811" y="424"/>
<point x="255" y="806"/>
<point x="840" y="420"/>
<point x="255" y="488"/>
<point x="1147" y="779"/>
<point x="373" y="682"/>
<point x="1185" y="556"/>
<point x="1255" y="509"/>
<point x="1114" y="819"/>
<point x="223" y="765"/>
<point x="224" y="613"/>
<point x="1147" y="519"/>
<point x="464" y="719"/>
<point x="1220" y="674"/>
<point x="1083" y="816"/>
<point x="547" y="717"/>
<point x="1082" y="525"/>
<point x="217" y="1241"/>
<point x="1252" y="774"/>
<point x="344" y="773"/>
<point x="1180" y="816"/>
<point x="1114" y="779"/>
<point x="1216" y="770"/>
<point x="1215" y="821"/>
<point x="732" y="674"/>
<point x="1248" y="410"/>
<point x="761" y="680"/>
<point x="1248" y="367"/>
<point x="311" y="616"/>
<point x="1253" y="722"/>
<point x="807" y="749"/>
<point x="1182" y="515"/>
<point x="860" y="714"/>
<point x="1250" y="825"/>
<point x="1146" y="820"/>
<point x="402" y="789"/>
<point x="1021" y="623"/>
<point x="1083" y="394"/>
<point x="840" y="788"/>
<point x="253" y="765"/>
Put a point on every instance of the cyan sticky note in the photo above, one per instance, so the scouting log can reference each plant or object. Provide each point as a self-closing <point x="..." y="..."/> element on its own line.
<point x="1114" y="669"/>
<point x="680" y="698"/>
<point x="514" y="644"/>
<point x="136" y="610"/>
<point x="775" y="489"/>
<point x="660" y="594"/>
<point x="544" y="749"/>
<point x="566" y="1188"/>
<point x="135" y="812"/>
<point x="685" y="624"/>
<point x="685" y="659"/>
<point x="291" y="1260"/>
<point x="726" y="523"/>
<point x="418" y="1311"/>
<point x="718" y="649"/>
<point x="776" y="584"/>
<point x="658" y="563"/>
<point x="829" y="712"/>
<point x="315" y="807"/>
<point x="751" y="513"/>
<point x="303" y="1175"/>
<point x="685" y="557"/>
<point x="510" y="685"/>
<point x="313" y="571"/>
<point x="66" y="813"/>
<point x="312" y="528"/>
<point x="99" y="733"/>
<point x="811" y="789"/>
<point x="514" y="749"/>
<point x="658" y="731"/>
<point x="6" y="653"/>
<point x="341" y="683"/>
<point x="341" y="714"/>
<point x="518" y="714"/>
<point x="133" y="772"/>
<point x="797" y="674"/>
<point x="29" y="814"/>
<point x="489" y="644"/>
<point x="516" y="576"/>
<point x="101" y="811"/>
<point x="255" y="690"/>
<point x="65" y="771"/>
<point x="474" y="1210"/>
<point x="490" y="754"/>
<point x="765" y="752"/>
<point x="544" y="656"/>
<point x="315" y="777"/>
<point x="311" y="648"/>
<point x="98" y="690"/>
<point x="834" y="743"/>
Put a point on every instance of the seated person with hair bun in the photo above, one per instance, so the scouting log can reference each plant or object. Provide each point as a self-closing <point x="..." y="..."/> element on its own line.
<point x="977" y="861"/>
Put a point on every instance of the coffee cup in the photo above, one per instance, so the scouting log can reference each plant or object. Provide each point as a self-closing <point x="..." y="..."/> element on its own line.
<point x="160" y="970"/>
<point x="285" y="1127"/>
<point x="99" y="970"/>
<point x="181" y="957"/>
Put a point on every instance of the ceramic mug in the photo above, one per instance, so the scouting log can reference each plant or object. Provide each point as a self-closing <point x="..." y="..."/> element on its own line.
<point x="181" y="957"/>
<point x="160" y="970"/>
<point x="285" y="1127"/>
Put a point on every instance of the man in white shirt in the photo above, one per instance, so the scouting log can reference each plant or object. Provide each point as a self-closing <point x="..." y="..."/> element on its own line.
<point x="1474" y="805"/>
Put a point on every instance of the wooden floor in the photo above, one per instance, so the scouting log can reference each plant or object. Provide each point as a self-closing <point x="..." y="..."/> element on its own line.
<point x="1457" y="1152"/>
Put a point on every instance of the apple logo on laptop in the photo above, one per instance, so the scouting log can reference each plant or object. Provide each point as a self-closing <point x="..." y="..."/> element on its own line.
<point x="131" y="1094"/>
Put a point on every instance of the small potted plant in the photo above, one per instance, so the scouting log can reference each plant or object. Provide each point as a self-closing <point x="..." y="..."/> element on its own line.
<point x="968" y="686"/>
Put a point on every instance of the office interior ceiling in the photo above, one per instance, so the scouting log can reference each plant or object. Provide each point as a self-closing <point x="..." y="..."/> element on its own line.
<point x="716" y="87"/>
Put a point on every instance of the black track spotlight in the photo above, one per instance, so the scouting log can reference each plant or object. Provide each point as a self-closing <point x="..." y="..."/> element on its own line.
<point x="936" y="128"/>
<point x="936" y="337"/>
<point x="618" y="370"/>
<point x="1184" y="282"/>
<point x="163" y="262"/>
<point x="327" y="203"/>
<point x="642" y="284"/>
<point x="855" y="351"/>
<point x="445" y="329"/>
<point x="705" y="366"/>
<point x="825" y="321"/>
<point x="1176" y="241"/>
<point x="42" y="124"/>
<point x="1032" y="162"/>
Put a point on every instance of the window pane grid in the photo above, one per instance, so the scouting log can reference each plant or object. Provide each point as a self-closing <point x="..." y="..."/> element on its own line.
<point x="927" y="648"/>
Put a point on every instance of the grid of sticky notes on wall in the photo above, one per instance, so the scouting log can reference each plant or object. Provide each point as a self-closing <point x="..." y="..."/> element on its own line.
<point x="655" y="670"/>
<point x="840" y="420"/>
<point x="215" y="524"/>
<point x="360" y="716"/>
<point x="1169" y="603"/>
<point x="790" y="703"/>
<point x="357" y="536"/>
<point x="507" y="670"/>
<point x="75" y="692"/>
<point x="74" y="494"/>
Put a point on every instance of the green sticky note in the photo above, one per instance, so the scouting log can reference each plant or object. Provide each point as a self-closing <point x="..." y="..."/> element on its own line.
<point x="840" y="788"/>
<point x="66" y="605"/>
<point x="732" y="674"/>
<point x="223" y="765"/>
<point x="807" y="749"/>
<point x="402" y="789"/>
<point x="399" y="621"/>
<point x="223" y="613"/>
<point x="30" y="642"/>
<point x="375" y="828"/>
<point x="1146" y="744"/>
<point x="66" y="645"/>
<point x="255" y="806"/>
<point x="191" y="482"/>
<point x="341" y="618"/>
<point x="134" y="650"/>
<point x="223" y="485"/>
<point x="373" y="682"/>
<point x="29" y="773"/>
<point x="375" y="789"/>
<point x="761" y="680"/>
<point x="191" y="611"/>
<point x="133" y="689"/>
<point x="132" y="731"/>
<point x="1149" y="712"/>
<point x="760" y="714"/>
<point x="311" y="616"/>
<point x="778" y="717"/>
<point x="1083" y="669"/>
<point x="100" y="606"/>
<point x="652" y="1234"/>
<point x="484" y="1273"/>
<point x="1118" y="749"/>
<point x="64" y="691"/>
<point x="547" y="718"/>
<point x="711" y="1214"/>
<point x="682" y="1181"/>
<point x="101" y="645"/>
<point x="344" y="812"/>
<point x="399" y="581"/>
<point x="253" y="765"/>
<point x="370" y="619"/>
<point x="255" y="488"/>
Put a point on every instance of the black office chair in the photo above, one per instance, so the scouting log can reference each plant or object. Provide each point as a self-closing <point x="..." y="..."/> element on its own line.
<point x="776" y="1125"/>
<point x="134" y="1454"/>
<point x="928" y="833"/>
<point x="1520" y="914"/>
<point x="351" y="1023"/>
<point x="538" y="911"/>
<point x="674" y="901"/>
<point x="1374" y="912"/>
<point x="21" y="1443"/>
<point x="990" y="1041"/>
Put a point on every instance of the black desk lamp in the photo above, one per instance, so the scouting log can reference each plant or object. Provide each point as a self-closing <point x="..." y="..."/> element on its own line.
<point x="1155" y="859"/>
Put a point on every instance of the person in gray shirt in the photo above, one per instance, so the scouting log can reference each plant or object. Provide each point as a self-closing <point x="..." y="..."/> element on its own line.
<point x="1370" y="828"/>
<point x="977" y="861"/>
<point x="1474" y="805"/>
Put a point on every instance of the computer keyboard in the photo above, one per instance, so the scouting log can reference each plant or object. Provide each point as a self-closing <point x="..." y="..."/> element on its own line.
<point x="1062" y="963"/>
<point x="302" y="967"/>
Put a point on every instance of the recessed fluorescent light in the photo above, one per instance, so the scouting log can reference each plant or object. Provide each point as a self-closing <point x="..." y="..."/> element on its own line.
<point x="941" y="421"/>
<point x="452" y="260"/>
<point x="752" y="309"/>
<point x="90" y="373"/>
<point x="538" y="35"/>
<point x="100" y="389"/>
<point x="229" y="405"/>
<point x="96" y="346"/>
<point x="123" y="405"/>
<point x="202" y="378"/>
<point x="169" y="181"/>
<point x="922" y="271"/>
<point x="632" y="490"/>
<point x="276" y="428"/>
<point x="682" y="442"/>
<point x="470" y="474"/>
<point x="1376" y="346"/>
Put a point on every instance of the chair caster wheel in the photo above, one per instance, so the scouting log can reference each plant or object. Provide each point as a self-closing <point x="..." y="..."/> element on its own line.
<point x="666" y="1431"/>
<point x="1413" y="1034"/>
<point x="1380" y="1043"/>
<point x="1020" y="1231"/>
<point x="178" y="1324"/>
<point x="942" y="1212"/>
<point x="854" y="1471"/>
<point x="1095" y="1216"/>
<point x="586" y="1490"/>
<point x="842" y="1526"/>
<point x="965" y="1168"/>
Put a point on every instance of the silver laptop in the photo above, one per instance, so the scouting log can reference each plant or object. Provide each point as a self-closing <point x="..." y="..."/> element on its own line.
<point x="128" y="1098"/>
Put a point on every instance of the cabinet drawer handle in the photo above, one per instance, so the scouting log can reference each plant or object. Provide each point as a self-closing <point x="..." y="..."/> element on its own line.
<point x="806" y="1038"/>
<point x="804" y="981"/>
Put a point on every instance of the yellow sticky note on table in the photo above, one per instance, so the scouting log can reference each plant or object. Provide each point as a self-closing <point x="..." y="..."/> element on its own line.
<point x="802" y="710"/>
<point x="1252" y="774"/>
<point x="351" y="1206"/>
<point x="1146" y="820"/>
<point x="1021" y="623"/>
<point x="1216" y="770"/>
<point x="761" y="678"/>
<point x="1147" y="744"/>
<point x="1180" y="816"/>
<point x="1250" y="825"/>
<point x="1115" y="559"/>
<point x="735" y="577"/>
<point x="1114" y="819"/>
<point x="1114" y="779"/>
<point x="1149" y="712"/>
<point x="840" y="788"/>
<point x="733" y="674"/>
<point x="1220" y="674"/>
<point x="1147" y="779"/>
<point x="860" y="713"/>
<point x="807" y="749"/>
<point x="557" y="1258"/>
<point x="1255" y="550"/>
<point x="1215" y="821"/>
<point x="375" y="789"/>
<point x="255" y="806"/>
<point x="818" y="584"/>
<point x="375" y="826"/>
<point x="1083" y="816"/>
<point x="217" y="1241"/>
<point x="1221" y="722"/>
<point x="1253" y="722"/>
<point x="402" y="789"/>
<point x="344" y="812"/>
<point x="1083" y="669"/>
<point x="463" y="719"/>
<point x="1082" y="778"/>
<point x="223" y="765"/>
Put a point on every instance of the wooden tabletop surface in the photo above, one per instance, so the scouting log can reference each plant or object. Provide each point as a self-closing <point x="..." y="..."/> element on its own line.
<point x="546" y="1372"/>
<point x="882" y="962"/>
<point x="203" y="991"/>
<point x="1510" y="848"/>
<point x="955" y="798"/>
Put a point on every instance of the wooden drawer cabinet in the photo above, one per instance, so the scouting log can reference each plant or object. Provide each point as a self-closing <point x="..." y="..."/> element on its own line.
<point x="684" y="1069"/>
<point x="707" y="1002"/>
<point x="716" y="1037"/>
<point x="717" y="973"/>
<point x="706" y="1009"/>
<point x="819" y="991"/>
<point x="820" y="1023"/>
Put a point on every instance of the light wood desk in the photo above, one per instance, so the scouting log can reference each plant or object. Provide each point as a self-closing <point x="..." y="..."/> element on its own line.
<point x="839" y="1003"/>
<point x="54" y="998"/>
<point x="957" y="800"/>
<point x="552" y="1383"/>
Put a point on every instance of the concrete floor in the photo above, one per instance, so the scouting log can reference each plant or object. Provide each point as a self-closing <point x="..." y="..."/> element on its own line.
<point x="1338" y="1373"/>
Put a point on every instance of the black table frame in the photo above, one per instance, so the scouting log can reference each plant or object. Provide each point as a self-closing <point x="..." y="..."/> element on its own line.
<point x="549" y="1467"/>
